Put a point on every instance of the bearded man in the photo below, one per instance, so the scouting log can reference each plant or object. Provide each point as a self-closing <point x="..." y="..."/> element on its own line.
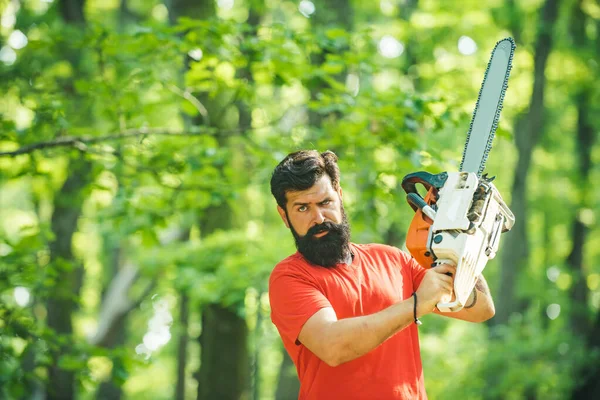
<point x="348" y="313"/>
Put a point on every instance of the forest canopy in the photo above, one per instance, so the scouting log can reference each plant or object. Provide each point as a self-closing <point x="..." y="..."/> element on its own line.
<point x="137" y="228"/>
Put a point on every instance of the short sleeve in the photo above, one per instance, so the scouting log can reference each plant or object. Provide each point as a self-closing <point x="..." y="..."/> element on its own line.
<point x="294" y="299"/>
<point x="417" y="272"/>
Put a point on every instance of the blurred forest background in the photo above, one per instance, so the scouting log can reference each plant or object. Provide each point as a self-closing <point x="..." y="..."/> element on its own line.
<point x="137" y="231"/>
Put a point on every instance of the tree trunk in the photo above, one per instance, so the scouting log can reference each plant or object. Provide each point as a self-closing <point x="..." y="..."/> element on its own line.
<point x="406" y="12"/>
<point x="256" y="336"/>
<point x="586" y="137"/>
<point x="579" y="314"/>
<point x="62" y="303"/>
<point x="244" y="106"/>
<point x="585" y="142"/>
<point x="72" y="11"/>
<point x="288" y="385"/>
<point x="224" y="360"/>
<point x="394" y="235"/>
<point x="115" y="333"/>
<point x="515" y="20"/>
<point x="109" y="389"/>
<point x="199" y="9"/>
<point x="590" y="387"/>
<point x="527" y="132"/>
<point x="329" y="14"/>
<point x="182" y="345"/>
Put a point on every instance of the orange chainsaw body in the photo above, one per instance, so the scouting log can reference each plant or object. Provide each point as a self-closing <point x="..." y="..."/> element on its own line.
<point x="418" y="233"/>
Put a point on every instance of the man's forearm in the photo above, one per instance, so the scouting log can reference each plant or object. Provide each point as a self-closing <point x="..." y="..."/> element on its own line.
<point x="481" y="286"/>
<point x="480" y="305"/>
<point x="351" y="338"/>
<point x="336" y="341"/>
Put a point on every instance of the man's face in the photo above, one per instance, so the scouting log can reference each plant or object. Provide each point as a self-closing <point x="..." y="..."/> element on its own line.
<point x="317" y="220"/>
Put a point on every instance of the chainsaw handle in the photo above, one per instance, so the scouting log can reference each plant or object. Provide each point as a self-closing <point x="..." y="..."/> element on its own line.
<point x="449" y="306"/>
<point x="409" y="182"/>
<point x="417" y="203"/>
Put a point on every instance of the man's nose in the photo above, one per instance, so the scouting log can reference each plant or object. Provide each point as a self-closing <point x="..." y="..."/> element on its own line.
<point x="319" y="217"/>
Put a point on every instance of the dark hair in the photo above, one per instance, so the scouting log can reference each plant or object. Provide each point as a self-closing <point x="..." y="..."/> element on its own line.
<point x="300" y="170"/>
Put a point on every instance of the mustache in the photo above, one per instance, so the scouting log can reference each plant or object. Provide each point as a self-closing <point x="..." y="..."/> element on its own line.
<point x="322" y="227"/>
<point x="329" y="250"/>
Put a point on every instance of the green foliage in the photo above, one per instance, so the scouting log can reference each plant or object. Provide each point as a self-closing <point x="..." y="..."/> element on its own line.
<point x="182" y="121"/>
<point x="529" y="357"/>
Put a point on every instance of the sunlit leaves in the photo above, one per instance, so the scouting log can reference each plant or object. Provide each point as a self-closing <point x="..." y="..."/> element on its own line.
<point x="244" y="96"/>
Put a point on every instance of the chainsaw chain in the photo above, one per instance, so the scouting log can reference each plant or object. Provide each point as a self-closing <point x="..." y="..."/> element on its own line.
<point x="498" y="108"/>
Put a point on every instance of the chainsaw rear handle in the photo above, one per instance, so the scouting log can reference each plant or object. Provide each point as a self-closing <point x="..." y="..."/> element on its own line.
<point x="410" y="181"/>
<point x="449" y="306"/>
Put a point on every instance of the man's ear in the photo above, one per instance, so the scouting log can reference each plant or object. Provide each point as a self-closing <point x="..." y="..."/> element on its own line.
<point x="281" y="212"/>
<point x="340" y="192"/>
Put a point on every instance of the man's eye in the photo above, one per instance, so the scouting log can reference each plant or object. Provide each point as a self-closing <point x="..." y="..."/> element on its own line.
<point x="326" y="202"/>
<point x="302" y="208"/>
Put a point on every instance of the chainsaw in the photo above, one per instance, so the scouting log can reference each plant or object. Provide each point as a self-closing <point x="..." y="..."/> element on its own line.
<point x="460" y="220"/>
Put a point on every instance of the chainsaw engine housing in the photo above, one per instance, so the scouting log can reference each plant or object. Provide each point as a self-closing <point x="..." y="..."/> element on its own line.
<point x="470" y="215"/>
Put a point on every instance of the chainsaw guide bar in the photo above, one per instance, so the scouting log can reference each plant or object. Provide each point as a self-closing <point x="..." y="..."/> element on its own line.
<point x="488" y="107"/>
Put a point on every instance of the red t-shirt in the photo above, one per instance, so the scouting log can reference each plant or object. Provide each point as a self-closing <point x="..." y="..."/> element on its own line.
<point x="379" y="276"/>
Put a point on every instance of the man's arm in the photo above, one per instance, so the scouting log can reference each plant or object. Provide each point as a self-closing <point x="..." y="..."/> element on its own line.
<point x="338" y="341"/>
<point x="479" y="307"/>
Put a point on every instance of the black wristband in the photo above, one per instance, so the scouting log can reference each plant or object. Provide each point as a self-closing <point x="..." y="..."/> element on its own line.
<point x="414" y="295"/>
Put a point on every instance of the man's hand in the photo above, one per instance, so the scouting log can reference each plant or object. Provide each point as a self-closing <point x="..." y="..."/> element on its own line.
<point x="479" y="307"/>
<point x="435" y="286"/>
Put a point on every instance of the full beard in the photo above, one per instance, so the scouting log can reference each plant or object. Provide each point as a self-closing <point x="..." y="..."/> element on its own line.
<point x="329" y="250"/>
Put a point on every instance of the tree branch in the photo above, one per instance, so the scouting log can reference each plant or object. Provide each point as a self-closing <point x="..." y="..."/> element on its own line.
<point x="193" y="101"/>
<point x="80" y="142"/>
<point x="115" y="303"/>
